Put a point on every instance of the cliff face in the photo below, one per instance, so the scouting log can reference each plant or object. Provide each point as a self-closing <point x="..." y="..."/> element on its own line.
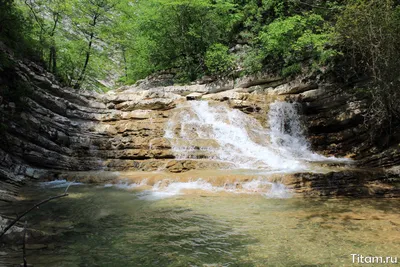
<point x="335" y="118"/>
<point x="61" y="129"/>
<point x="57" y="128"/>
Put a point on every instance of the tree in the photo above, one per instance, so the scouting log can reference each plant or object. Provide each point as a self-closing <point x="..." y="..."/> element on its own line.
<point x="56" y="9"/>
<point x="298" y="38"/>
<point x="369" y="32"/>
<point x="90" y="17"/>
<point x="179" y="33"/>
<point x="47" y="17"/>
<point x="218" y="60"/>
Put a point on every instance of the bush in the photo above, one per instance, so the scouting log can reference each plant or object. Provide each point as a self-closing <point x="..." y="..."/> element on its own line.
<point x="291" y="70"/>
<point x="369" y="34"/>
<point x="299" y="37"/>
<point x="218" y="60"/>
<point x="15" y="30"/>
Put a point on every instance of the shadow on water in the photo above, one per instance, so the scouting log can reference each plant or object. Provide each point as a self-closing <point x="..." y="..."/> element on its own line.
<point x="108" y="227"/>
<point x="97" y="226"/>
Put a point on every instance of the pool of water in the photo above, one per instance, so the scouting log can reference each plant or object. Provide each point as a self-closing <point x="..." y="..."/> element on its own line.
<point x="109" y="226"/>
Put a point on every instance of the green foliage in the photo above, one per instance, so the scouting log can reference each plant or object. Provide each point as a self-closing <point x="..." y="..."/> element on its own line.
<point x="15" y="30"/>
<point x="87" y="41"/>
<point x="218" y="60"/>
<point x="139" y="61"/>
<point x="92" y="42"/>
<point x="182" y="31"/>
<point x="91" y="22"/>
<point x="282" y="33"/>
<point x="256" y="14"/>
<point x="253" y="61"/>
<point x="297" y="38"/>
<point x="66" y="34"/>
<point x="369" y="34"/>
<point x="291" y="70"/>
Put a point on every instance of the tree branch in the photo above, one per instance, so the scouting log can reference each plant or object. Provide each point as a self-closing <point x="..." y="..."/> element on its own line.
<point x="35" y="15"/>
<point x="23" y="248"/>
<point x="32" y="208"/>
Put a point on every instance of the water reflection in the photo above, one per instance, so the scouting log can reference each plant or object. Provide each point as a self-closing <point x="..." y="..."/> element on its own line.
<point x="111" y="227"/>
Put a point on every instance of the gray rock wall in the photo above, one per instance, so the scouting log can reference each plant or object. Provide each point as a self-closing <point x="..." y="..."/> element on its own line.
<point x="56" y="128"/>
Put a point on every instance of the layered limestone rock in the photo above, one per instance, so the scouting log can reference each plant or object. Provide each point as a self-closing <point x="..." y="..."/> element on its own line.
<point x="57" y="128"/>
<point x="52" y="129"/>
<point x="346" y="183"/>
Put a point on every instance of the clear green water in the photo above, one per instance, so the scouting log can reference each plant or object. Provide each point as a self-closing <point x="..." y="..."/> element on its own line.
<point x="97" y="226"/>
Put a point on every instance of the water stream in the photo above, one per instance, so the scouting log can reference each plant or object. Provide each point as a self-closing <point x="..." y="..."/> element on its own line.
<point x="240" y="215"/>
<point x="107" y="226"/>
<point x="200" y="129"/>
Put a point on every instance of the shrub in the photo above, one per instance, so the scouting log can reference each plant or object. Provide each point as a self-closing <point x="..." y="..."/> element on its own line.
<point x="369" y="34"/>
<point x="291" y="70"/>
<point x="218" y="60"/>
<point x="299" y="37"/>
<point x="253" y="61"/>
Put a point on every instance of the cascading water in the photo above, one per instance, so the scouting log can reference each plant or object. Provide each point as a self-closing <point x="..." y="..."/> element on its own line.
<point x="285" y="127"/>
<point x="258" y="157"/>
<point x="235" y="137"/>
<point x="287" y="133"/>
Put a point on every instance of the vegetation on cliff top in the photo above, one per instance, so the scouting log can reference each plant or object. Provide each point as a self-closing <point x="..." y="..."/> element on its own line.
<point x="94" y="43"/>
<point x="86" y="41"/>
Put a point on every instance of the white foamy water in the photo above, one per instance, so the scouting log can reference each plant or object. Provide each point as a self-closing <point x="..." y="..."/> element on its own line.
<point x="241" y="139"/>
<point x="164" y="189"/>
<point x="287" y="133"/>
<point x="123" y="185"/>
<point x="278" y="191"/>
<point x="170" y="188"/>
<point x="58" y="184"/>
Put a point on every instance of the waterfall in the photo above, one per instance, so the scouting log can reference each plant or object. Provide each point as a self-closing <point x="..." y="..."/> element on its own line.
<point x="287" y="132"/>
<point x="213" y="131"/>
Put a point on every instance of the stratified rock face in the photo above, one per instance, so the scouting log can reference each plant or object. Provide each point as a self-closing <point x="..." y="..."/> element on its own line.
<point x="346" y="183"/>
<point x="335" y="120"/>
<point x="58" y="128"/>
<point x="61" y="129"/>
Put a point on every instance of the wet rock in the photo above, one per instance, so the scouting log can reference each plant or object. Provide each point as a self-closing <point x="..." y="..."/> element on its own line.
<point x="194" y="96"/>
<point x="349" y="183"/>
<point x="180" y="166"/>
<point x="257" y="79"/>
<point x="294" y="87"/>
<point x="16" y="233"/>
<point x="154" y="104"/>
<point x="61" y="129"/>
<point x="160" y="143"/>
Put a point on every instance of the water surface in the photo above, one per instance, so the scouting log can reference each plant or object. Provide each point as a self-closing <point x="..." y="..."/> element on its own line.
<point x="107" y="226"/>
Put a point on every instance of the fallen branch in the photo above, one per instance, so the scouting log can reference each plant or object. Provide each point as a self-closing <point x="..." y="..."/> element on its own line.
<point x="23" y="248"/>
<point x="34" y="207"/>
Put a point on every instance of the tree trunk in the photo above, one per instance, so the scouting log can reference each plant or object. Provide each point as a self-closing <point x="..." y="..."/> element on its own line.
<point x="49" y="67"/>
<point x="82" y="75"/>
<point x="125" y="64"/>
<point x="91" y="37"/>
<point x="54" y="57"/>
